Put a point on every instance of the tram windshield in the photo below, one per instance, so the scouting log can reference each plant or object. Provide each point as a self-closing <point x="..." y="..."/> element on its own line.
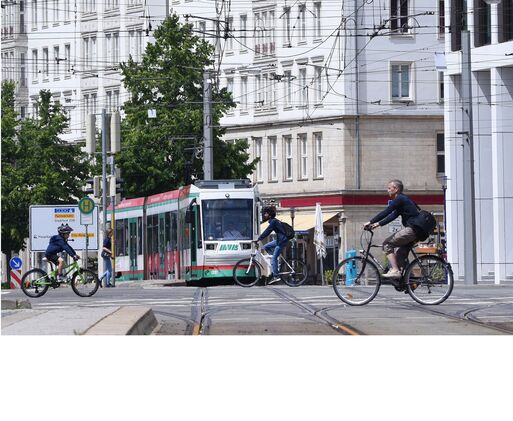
<point x="227" y="219"/>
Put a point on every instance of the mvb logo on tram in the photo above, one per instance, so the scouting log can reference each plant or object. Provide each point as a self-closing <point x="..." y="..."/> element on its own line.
<point x="229" y="247"/>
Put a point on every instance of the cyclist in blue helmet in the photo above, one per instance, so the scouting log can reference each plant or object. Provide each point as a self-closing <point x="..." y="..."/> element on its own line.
<point x="59" y="243"/>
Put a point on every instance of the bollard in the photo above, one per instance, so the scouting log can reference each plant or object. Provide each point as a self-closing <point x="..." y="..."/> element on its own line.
<point x="350" y="268"/>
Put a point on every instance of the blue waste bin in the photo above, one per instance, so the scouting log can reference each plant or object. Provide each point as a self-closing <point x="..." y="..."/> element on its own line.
<point x="350" y="268"/>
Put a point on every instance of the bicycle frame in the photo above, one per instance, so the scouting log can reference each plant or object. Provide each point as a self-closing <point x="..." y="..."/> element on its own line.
<point x="266" y="263"/>
<point x="68" y="271"/>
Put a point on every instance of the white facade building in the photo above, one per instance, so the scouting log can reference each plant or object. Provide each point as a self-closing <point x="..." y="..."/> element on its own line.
<point x="74" y="49"/>
<point x="334" y="100"/>
<point x="491" y="41"/>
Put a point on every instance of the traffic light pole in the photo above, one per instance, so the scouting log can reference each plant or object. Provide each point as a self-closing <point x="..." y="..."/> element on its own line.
<point x="104" y="168"/>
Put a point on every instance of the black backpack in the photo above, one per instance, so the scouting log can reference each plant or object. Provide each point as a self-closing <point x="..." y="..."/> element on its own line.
<point x="423" y="224"/>
<point x="288" y="231"/>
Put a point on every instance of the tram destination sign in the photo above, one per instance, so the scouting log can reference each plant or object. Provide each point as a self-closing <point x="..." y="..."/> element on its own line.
<point x="45" y="219"/>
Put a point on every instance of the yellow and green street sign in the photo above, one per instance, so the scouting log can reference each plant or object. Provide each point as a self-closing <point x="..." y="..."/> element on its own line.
<point x="86" y="205"/>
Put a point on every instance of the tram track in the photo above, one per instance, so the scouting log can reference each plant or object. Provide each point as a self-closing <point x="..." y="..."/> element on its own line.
<point x="342" y="328"/>
<point x="200" y="322"/>
<point x="465" y="315"/>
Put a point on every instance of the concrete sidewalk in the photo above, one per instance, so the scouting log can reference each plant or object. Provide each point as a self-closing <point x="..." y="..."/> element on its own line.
<point x="115" y="320"/>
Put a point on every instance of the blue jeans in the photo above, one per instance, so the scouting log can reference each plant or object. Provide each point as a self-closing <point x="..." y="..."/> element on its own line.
<point x="275" y="249"/>
<point x="108" y="270"/>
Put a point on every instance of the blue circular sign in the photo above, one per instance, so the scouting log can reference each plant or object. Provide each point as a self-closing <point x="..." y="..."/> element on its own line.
<point x="15" y="263"/>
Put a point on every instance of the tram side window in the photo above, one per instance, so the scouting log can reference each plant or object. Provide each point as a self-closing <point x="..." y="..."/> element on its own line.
<point x="174" y="231"/>
<point x="153" y="233"/>
<point x="139" y="235"/>
<point x="167" y="231"/>
<point x="120" y="239"/>
<point x="126" y="237"/>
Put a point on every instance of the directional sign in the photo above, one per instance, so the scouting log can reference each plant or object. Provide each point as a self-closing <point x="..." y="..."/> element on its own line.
<point x="15" y="263"/>
<point x="86" y="205"/>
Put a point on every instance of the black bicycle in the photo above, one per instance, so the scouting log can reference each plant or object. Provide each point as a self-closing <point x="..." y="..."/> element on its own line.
<point x="428" y="278"/>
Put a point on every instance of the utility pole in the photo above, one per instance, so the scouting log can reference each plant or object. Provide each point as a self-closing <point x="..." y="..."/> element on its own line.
<point x="104" y="168"/>
<point x="469" y="213"/>
<point x="208" y="147"/>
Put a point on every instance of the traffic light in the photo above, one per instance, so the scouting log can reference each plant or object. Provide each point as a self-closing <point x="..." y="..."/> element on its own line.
<point x="115" y="185"/>
<point x="90" y="134"/>
<point x="93" y="186"/>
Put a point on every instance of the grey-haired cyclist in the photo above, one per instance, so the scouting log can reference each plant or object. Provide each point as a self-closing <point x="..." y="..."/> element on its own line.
<point x="59" y="243"/>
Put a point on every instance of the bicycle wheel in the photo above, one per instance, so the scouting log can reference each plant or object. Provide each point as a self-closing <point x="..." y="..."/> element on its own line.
<point x="35" y="283"/>
<point x="85" y="283"/>
<point x="429" y="280"/>
<point x="356" y="281"/>
<point x="293" y="272"/>
<point x="246" y="274"/>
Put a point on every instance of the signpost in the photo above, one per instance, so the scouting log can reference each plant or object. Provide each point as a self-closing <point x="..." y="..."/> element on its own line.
<point x="86" y="207"/>
<point x="15" y="265"/>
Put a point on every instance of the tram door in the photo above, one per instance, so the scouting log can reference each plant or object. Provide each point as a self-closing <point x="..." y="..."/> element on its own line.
<point x="132" y="247"/>
<point x="162" y="246"/>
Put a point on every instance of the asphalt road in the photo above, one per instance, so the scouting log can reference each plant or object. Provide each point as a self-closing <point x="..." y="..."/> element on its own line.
<point x="307" y="310"/>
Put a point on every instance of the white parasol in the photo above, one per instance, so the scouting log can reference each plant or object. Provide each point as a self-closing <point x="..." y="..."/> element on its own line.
<point x="319" y="238"/>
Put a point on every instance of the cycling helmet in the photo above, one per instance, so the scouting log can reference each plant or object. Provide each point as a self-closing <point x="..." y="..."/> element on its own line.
<point x="64" y="229"/>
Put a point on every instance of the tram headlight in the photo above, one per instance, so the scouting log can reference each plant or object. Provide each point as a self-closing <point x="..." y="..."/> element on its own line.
<point x="246" y="246"/>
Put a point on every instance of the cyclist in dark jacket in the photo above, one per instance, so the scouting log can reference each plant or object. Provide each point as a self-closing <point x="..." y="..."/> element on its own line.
<point x="274" y="247"/>
<point x="59" y="243"/>
<point x="400" y="205"/>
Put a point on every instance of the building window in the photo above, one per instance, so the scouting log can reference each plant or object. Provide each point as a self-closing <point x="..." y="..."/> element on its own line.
<point x="440" y="153"/>
<point x="302" y="22"/>
<point x="458" y="22"/>
<point x="317" y="20"/>
<point x="258" y="155"/>
<point x="505" y="15"/>
<point x="303" y="156"/>
<point x="401" y="81"/>
<point x="302" y="86"/>
<point x="229" y="85"/>
<point x="89" y="52"/>
<point x="319" y="169"/>
<point x="67" y="10"/>
<point x="46" y="63"/>
<point x="34" y="14"/>
<point x="259" y="95"/>
<point x="243" y="31"/>
<point x="229" y="33"/>
<point x="56" y="61"/>
<point x="23" y="75"/>
<point x="482" y="23"/>
<point x="399" y="16"/>
<point x="56" y="7"/>
<point x="202" y="28"/>
<point x="273" y="159"/>
<point x="67" y="60"/>
<point x="287" y="88"/>
<point x="287" y="153"/>
<point x="318" y="85"/>
<point x="22" y="17"/>
<point x="35" y="69"/>
<point x="244" y="93"/>
<point x="112" y="48"/>
<point x="441" y="18"/>
<point x="45" y="13"/>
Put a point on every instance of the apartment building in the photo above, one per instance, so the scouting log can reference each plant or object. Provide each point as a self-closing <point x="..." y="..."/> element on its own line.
<point x="74" y="49"/>
<point x="491" y="86"/>
<point x="335" y="98"/>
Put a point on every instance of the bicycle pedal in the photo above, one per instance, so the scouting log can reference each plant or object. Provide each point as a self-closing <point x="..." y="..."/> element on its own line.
<point x="55" y="284"/>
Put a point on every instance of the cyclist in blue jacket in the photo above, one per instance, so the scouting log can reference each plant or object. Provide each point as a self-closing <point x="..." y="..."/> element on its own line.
<point x="59" y="243"/>
<point x="274" y="247"/>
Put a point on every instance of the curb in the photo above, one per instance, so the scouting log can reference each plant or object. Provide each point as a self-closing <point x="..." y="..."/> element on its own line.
<point x="125" y="321"/>
<point x="15" y="304"/>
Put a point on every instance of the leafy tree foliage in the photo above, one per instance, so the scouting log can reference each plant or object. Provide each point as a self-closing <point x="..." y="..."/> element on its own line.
<point x="159" y="154"/>
<point x="38" y="168"/>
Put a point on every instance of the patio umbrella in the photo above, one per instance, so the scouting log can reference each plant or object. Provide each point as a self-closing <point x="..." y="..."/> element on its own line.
<point x="319" y="238"/>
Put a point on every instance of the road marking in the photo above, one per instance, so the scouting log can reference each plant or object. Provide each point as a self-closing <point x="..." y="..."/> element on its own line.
<point x="345" y="329"/>
<point x="196" y="330"/>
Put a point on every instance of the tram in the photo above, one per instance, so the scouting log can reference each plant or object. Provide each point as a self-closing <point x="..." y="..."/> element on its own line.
<point x="195" y="233"/>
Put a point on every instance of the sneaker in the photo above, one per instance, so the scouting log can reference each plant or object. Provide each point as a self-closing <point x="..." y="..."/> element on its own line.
<point x="61" y="278"/>
<point x="392" y="274"/>
<point x="274" y="280"/>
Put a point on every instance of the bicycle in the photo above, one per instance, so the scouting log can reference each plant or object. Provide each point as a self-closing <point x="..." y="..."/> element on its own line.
<point x="428" y="279"/>
<point x="84" y="282"/>
<point x="249" y="271"/>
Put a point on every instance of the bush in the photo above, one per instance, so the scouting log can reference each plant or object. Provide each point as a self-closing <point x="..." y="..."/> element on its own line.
<point x="6" y="285"/>
<point x="328" y="276"/>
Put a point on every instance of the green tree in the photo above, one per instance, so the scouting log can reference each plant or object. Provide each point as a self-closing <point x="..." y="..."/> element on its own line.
<point x="158" y="154"/>
<point x="38" y="168"/>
